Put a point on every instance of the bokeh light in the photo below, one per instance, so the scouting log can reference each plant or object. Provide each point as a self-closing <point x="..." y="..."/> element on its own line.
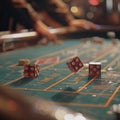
<point x="94" y="2"/>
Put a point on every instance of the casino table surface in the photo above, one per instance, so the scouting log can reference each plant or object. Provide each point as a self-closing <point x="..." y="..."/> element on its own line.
<point x="93" y="97"/>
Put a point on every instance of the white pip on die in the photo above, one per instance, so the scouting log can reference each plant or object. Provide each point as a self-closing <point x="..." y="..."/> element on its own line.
<point x="94" y="69"/>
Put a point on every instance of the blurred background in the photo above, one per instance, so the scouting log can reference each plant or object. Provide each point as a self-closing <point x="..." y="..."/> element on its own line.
<point x="105" y="12"/>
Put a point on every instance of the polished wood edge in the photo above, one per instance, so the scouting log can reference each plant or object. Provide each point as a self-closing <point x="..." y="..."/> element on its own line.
<point x="59" y="31"/>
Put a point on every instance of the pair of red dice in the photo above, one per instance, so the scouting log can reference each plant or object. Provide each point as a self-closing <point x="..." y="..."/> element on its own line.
<point x="31" y="71"/>
<point x="75" y="65"/>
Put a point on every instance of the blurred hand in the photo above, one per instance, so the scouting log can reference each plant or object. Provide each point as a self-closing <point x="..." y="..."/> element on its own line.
<point x="44" y="31"/>
<point x="84" y="24"/>
<point x="39" y="26"/>
<point x="50" y="37"/>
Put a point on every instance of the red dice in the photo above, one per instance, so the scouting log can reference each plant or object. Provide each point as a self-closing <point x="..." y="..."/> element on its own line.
<point x="94" y="69"/>
<point x="31" y="71"/>
<point x="74" y="64"/>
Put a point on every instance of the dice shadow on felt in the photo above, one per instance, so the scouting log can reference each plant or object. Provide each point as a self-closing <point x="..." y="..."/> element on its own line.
<point x="97" y="79"/>
<point x="65" y="97"/>
<point x="91" y="77"/>
<point x="22" y="81"/>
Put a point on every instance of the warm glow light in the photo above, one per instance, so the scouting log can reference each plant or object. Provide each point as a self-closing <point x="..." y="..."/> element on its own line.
<point x="94" y="2"/>
<point x="74" y="9"/>
<point x="77" y="11"/>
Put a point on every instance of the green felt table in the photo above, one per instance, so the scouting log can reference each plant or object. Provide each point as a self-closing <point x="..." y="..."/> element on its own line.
<point x="77" y="91"/>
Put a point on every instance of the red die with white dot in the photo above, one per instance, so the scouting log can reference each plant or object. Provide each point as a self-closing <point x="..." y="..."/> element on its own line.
<point x="31" y="71"/>
<point x="74" y="64"/>
<point x="94" y="69"/>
